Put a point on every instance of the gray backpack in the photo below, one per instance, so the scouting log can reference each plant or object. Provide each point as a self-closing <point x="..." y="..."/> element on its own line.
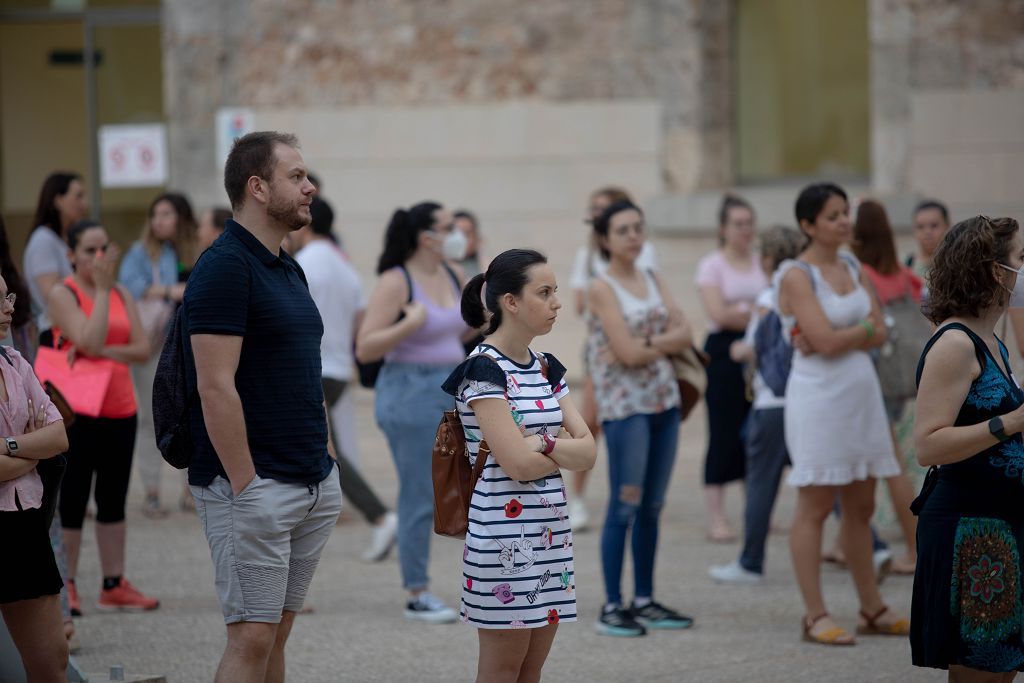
<point x="897" y="359"/>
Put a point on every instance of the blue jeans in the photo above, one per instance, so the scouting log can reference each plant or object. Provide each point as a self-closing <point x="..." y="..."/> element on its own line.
<point x="641" y="452"/>
<point x="766" y="458"/>
<point x="409" y="404"/>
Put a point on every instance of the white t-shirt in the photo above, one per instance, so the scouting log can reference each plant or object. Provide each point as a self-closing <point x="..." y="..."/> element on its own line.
<point x="338" y="294"/>
<point x="582" y="272"/>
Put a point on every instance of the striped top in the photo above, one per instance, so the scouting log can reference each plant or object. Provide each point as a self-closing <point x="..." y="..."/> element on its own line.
<point x="518" y="558"/>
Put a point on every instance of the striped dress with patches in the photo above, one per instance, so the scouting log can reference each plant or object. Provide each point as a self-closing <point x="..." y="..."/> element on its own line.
<point x="518" y="557"/>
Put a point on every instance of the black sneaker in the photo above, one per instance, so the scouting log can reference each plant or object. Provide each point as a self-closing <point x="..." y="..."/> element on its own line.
<point x="653" y="615"/>
<point x="619" y="621"/>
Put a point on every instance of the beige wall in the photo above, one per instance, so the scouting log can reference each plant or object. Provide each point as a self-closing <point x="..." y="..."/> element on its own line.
<point x="967" y="147"/>
<point x="526" y="168"/>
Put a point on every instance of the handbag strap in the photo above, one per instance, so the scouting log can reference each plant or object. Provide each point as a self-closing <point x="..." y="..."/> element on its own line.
<point x="3" y="352"/>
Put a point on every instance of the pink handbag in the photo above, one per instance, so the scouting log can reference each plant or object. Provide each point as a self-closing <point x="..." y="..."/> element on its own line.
<point x="84" y="384"/>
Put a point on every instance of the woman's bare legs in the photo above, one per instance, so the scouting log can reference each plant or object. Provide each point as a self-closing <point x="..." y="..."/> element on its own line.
<point x="813" y="505"/>
<point x="857" y="500"/>
<point x="37" y="629"/>
<point x="513" y="655"/>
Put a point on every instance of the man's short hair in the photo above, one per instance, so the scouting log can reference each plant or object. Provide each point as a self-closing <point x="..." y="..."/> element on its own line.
<point x="323" y="217"/>
<point x="252" y="155"/>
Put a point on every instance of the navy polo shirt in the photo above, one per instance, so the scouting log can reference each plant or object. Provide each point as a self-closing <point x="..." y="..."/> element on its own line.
<point x="239" y="288"/>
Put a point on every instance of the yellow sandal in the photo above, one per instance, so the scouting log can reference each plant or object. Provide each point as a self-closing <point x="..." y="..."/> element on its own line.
<point x="900" y="627"/>
<point x="833" y="636"/>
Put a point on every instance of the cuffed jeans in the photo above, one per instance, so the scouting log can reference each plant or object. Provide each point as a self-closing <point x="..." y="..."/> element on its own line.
<point x="641" y="453"/>
<point x="766" y="458"/>
<point x="409" y="405"/>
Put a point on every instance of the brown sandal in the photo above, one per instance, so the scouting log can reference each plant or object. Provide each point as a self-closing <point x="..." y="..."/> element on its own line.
<point x="832" y="636"/>
<point x="900" y="627"/>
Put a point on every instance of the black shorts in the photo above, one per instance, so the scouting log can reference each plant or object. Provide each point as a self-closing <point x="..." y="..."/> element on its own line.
<point x="29" y="571"/>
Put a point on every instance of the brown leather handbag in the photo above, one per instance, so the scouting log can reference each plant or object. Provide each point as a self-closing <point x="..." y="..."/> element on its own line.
<point x="454" y="478"/>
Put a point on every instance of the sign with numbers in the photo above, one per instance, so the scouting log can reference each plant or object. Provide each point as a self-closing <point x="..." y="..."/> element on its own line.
<point x="232" y="123"/>
<point x="133" y="155"/>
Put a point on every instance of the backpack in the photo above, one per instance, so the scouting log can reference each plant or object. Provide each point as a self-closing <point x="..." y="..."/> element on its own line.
<point x="172" y="399"/>
<point x="773" y="352"/>
<point x="453" y="476"/>
<point x="897" y="358"/>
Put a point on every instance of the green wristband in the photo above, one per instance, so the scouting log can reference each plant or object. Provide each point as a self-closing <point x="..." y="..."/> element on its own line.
<point x="869" y="328"/>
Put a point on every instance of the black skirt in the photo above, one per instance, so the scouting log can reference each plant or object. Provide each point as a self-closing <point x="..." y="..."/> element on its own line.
<point x="967" y="606"/>
<point x="728" y="406"/>
<point x="28" y="570"/>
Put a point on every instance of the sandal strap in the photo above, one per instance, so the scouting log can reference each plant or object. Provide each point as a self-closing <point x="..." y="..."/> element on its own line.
<point x="872" y="619"/>
<point x="810" y="622"/>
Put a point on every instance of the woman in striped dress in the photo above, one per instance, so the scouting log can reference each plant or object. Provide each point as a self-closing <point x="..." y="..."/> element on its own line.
<point x="518" y="578"/>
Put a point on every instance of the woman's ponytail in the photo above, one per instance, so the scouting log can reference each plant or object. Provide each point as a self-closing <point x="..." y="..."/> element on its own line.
<point x="473" y="309"/>
<point x="403" y="233"/>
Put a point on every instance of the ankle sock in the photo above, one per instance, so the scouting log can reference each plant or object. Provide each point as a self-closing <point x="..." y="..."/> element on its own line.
<point x="610" y="607"/>
<point x="641" y="602"/>
<point x="110" y="582"/>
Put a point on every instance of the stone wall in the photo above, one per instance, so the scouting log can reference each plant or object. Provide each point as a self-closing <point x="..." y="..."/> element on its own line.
<point x="925" y="45"/>
<point x="403" y="53"/>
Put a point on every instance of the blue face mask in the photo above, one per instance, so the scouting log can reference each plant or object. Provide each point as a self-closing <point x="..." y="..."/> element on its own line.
<point x="1017" y="293"/>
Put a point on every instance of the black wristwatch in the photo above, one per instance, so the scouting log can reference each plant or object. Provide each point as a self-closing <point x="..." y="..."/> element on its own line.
<point x="995" y="425"/>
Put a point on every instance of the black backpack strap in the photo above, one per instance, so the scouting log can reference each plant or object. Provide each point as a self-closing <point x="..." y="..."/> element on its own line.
<point x="453" y="276"/>
<point x="408" y="282"/>
<point x="3" y="352"/>
<point x="979" y="346"/>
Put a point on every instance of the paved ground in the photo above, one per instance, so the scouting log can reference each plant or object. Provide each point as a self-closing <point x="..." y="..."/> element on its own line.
<point x="358" y="633"/>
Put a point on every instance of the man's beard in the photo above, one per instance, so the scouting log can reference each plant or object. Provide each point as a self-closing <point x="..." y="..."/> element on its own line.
<point x="286" y="214"/>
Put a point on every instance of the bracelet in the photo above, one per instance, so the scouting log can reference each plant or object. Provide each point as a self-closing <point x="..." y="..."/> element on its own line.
<point x="868" y="327"/>
<point x="549" y="443"/>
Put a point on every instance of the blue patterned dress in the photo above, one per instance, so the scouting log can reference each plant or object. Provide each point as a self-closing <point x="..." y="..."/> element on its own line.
<point x="967" y="602"/>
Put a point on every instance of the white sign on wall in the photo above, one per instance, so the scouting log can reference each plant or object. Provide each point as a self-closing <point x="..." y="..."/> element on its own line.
<point x="133" y="155"/>
<point x="232" y="123"/>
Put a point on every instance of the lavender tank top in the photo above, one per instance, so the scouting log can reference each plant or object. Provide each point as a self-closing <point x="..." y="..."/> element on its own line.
<point x="438" y="341"/>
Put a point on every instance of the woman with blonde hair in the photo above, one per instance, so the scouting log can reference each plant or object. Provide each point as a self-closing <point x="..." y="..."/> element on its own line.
<point x="153" y="272"/>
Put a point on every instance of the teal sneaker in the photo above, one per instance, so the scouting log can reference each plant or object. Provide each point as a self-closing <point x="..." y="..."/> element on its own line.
<point x="653" y="615"/>
<point x="618" y="621"/>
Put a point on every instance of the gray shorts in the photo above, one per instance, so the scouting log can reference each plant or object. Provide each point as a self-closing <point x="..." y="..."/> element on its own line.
<point x="266" y="542"/>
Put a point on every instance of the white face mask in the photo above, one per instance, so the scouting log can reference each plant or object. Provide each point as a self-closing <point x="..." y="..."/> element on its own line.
<point x="454" y="245"/>
<point x="1017" y="293"/>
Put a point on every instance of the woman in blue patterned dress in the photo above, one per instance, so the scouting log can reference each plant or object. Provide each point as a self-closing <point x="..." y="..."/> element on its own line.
<point x="518" y="578"/>
<point x="967" y="613"/>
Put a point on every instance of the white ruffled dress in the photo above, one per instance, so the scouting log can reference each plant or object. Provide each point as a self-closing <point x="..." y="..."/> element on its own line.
<point x="837" y="431"/>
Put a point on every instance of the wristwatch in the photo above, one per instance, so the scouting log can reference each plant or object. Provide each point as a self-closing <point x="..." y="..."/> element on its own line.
<point x="549" y="443"/>
<point x="12" y="446"/>
<point x="995" y="425"/>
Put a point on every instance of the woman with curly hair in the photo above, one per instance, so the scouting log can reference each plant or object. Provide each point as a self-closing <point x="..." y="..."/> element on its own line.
<point x="967" y="604"/>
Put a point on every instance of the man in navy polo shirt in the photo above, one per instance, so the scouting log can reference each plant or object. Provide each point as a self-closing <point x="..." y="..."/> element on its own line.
<point x="262" y="474"/>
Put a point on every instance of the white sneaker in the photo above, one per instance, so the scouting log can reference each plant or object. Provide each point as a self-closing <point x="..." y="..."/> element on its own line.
<point x="384" y="534"/>
<point x="734" y="573"/>
<point x="883" y="564"/>
<point x="579" y="518"/>
<point x="429" y="608"/>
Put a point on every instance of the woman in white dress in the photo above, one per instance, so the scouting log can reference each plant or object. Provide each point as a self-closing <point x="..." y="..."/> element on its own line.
<point x="836" y="428"/>
<point x="518" y="577"/>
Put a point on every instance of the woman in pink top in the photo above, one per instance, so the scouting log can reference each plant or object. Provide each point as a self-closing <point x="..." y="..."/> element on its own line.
<point x="729" y="280"/>
<point x="414" y="322"/>
<point x="95" y="318"/>
<point x="874" y="245"/>
<point x="30" y="584"/>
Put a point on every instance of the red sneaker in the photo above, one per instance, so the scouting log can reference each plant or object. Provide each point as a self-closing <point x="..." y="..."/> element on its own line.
<point x="73" y="602"/>
<point x="124" y="596"/>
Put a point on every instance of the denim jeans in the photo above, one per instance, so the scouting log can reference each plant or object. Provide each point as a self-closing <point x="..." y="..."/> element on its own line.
<point x="641" y="452"/>
<point x="409" y="404"/>
<point x="766" y="458"/>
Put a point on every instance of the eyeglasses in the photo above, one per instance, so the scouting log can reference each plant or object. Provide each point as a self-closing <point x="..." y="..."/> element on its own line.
<point x="11" y="298"/>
